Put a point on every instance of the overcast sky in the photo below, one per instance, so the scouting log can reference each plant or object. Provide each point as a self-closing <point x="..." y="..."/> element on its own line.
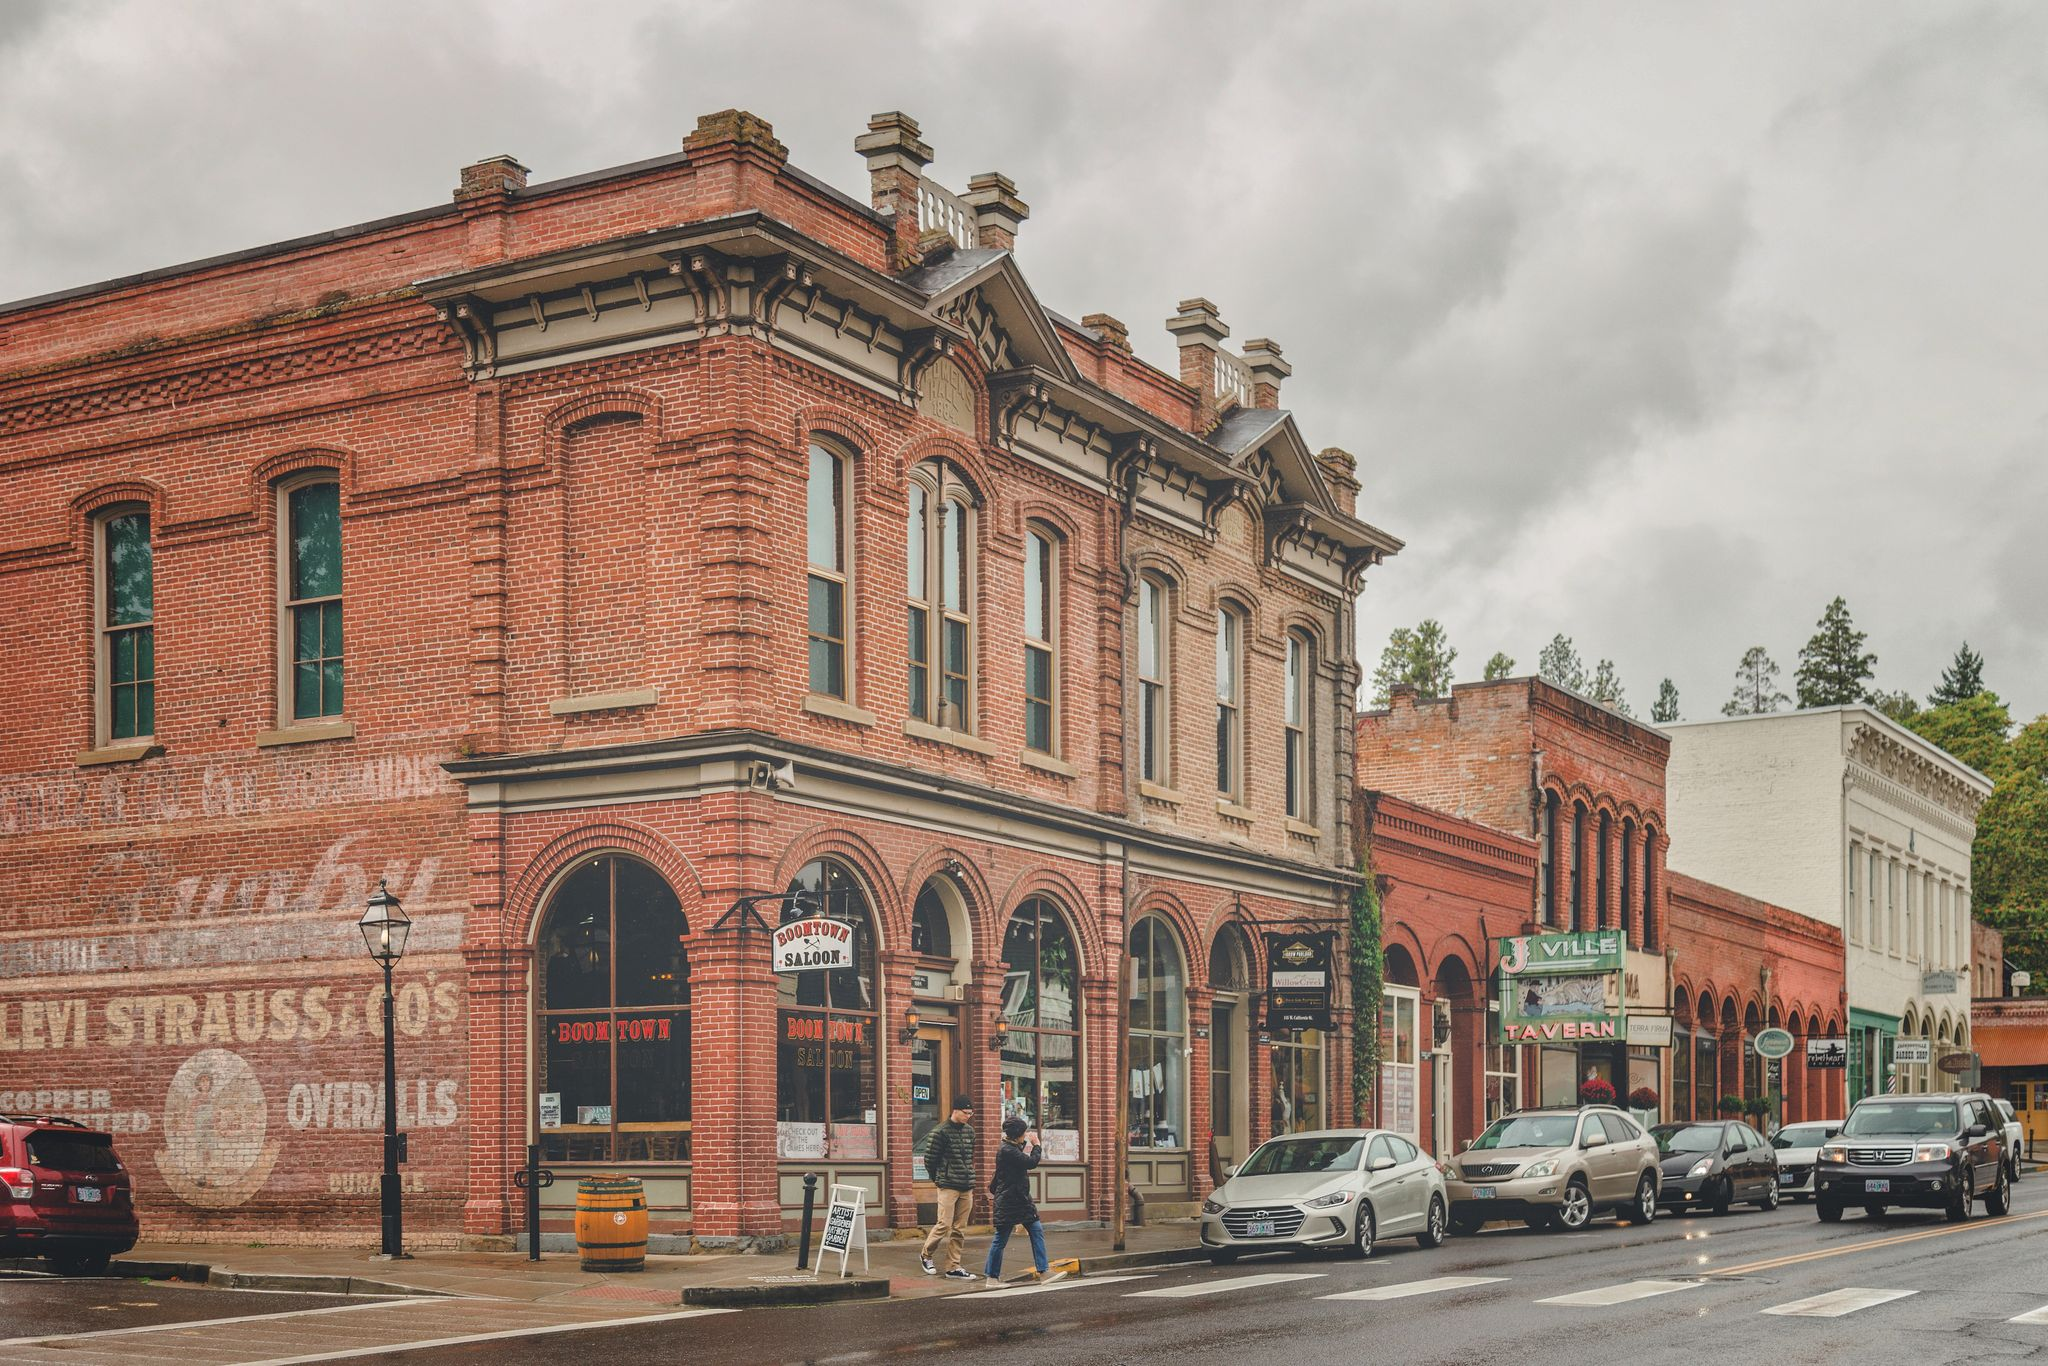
<point x="1655" y="324"/>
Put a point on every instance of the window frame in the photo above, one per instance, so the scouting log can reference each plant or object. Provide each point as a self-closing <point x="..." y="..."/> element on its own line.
<point x="1155" y="690"/>
<point x="1171" y="955"/>
<point x="1231" y="632"/>
<point x="288" y="607"/>
<point x="1036" y="535"/>
<point x="839" y="576"/>
<point x="851" y="902"/>
<point x="943" y="487"/>
<point x="1297" y="711"/>
<point x="1077" y="1033"/>
<point x="105" y="630"/>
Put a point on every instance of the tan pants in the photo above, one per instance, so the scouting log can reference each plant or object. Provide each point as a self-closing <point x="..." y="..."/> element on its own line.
<point x="951" y="1228"/>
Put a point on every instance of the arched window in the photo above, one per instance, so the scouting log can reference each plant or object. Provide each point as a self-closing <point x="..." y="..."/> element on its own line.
<point x="1652" y="931"/>
<point x="1157" y="1016"/>
<point x="825" y="1076"/>
<point x="1680" y="1108"/>
<point x="826" y="539"/>
<point x="1230" y="960"/>
<point x="1546" y="886"/>
<point x="931" y="930"/>
<point x="1155" y="673"/>
<point x="1299" y="775"/>
<point x="1630" y="932"/>
<point x="1706" y="1056"/>
<point x="310" y="625"/>
<point x="1041" y="1048"/>
<point x="612" y="978"/>
<point x="1580" y="920"/>
<point x="127" y="611"/>
<point x="1041" y="640"/>
<point x="941" y="587"/>
<point x="1230" y="703"/>
<point x="1601" y="851"/>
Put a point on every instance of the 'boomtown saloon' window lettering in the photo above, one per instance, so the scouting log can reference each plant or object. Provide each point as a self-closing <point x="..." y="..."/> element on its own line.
<point x="614" y="985"/>
<point x="826" y="1095"/>
<point x="1041" y="992"/>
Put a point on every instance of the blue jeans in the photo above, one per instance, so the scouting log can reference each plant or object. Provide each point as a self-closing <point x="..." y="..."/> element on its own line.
<point x="994" y="1268"/>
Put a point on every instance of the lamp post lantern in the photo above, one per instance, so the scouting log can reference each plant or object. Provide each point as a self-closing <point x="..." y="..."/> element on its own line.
<point x="385" y="927"/>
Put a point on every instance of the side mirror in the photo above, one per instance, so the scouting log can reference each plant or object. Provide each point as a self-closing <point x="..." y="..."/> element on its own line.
<point x="1466" y="1146"/>
<point x="1979" y="1131"/>
<point x="1594" y="1141"/>
<point x="1230" y="1171"/>
<point x="1380" y="1164"/>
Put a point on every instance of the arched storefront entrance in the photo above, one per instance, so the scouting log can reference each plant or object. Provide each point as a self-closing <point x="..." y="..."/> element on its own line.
<point x="1230" y="979"/>
<point x="1454" y="1045"/>
<point x="827" y="1064"/>
<point x="939" y="932"/>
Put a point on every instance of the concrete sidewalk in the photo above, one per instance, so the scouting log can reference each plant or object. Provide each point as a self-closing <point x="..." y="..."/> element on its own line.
<point x="729" y="1279"/>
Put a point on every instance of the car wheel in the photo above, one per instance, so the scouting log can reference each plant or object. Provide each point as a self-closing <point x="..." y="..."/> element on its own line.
<point x="2013" y="1169"/>
<point x="1433" y="1228"/>
<point x="1465" y="1225"/>
<point x="1363" y="1236"/>
<point x="1770" y="1200"/>
<point x="1830" y="1210"/>
<point x="81" y="1263"/>
<point x="1575" y="1211"/>
<point x="1999" y="1202"/>
<point x="1643" y="1209"/>
<point x="1960" y="1208"/>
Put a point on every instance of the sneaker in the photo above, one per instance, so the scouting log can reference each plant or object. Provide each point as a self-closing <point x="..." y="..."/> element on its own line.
<point x="1049" y="1277"/>
<point x="930" y="1268"/>
<point x="961" y="1273"/>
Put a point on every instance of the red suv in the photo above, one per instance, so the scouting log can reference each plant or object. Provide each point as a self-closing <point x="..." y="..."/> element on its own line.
<point x="64" y="1195"/>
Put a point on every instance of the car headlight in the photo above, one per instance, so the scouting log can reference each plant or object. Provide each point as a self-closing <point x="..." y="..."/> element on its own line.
<point x="1703" y="1166"/>
<point x="1834" y="1154"/>
<point x="1330" y="1201"/>
<point x="1932" y="1152"/>
<point x="1542" y="1169"/>
<point x="1212" y="1206"/>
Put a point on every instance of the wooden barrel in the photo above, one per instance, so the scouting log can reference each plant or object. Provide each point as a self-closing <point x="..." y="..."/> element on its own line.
<point x="611" y="1223"/>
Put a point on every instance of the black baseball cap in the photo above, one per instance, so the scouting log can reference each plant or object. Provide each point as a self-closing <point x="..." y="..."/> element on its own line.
<point x="963" y="1101"/>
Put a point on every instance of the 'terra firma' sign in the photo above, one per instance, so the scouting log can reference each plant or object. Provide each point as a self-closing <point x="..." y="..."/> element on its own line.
<point x="812" y="943"/>
<point x="1561" y="987"/>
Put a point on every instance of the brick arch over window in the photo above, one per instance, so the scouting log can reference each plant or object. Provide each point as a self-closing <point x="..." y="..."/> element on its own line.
<point x="1225" y="914"/>
<point x="968" y="878"/>
<point x="591" y="407"/>
<point x="264" y="478"/>
<point x="1162" y="566"/>
<point x="1059" y="520"/>
<point x="1454" y="947"/>
<point x="1174" y="912"/>
<point x="966" y="462"/>
<point x="93" y="501"/>
<point x="1056" y="887"/>
<point x="865" y="862"/>
<point x="529" y="893"/>
<point x="821" y="420"/>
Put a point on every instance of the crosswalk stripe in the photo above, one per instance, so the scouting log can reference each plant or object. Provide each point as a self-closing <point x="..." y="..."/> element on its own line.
<point x="1071" y="1283"/>
<point x="1406" y="1288"/>
<point x="1619" y="1294"/>
<point x="1836" y="1303"/>
<point x="1186" y="1292"/>
<point x="2031" y="1316"/>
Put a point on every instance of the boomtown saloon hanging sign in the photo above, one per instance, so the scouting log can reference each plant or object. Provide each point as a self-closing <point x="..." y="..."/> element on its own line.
<point x="813" y="943"/>
<point x="1298" y="980"/>
<point x="1561" y="988"/>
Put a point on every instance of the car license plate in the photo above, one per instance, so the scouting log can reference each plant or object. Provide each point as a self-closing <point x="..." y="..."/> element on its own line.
<point x="88" y="1194"/>
<point x="1482" y="1192"/>
<point x="1786" y="1178"/>
<point x="1261" y="1228"/>
<point x="1878" y="1187"/>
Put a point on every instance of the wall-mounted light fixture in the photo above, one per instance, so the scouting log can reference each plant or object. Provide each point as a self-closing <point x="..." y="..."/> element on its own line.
<point x="910" y="1019"/>
<point x="1000" y="1036"/>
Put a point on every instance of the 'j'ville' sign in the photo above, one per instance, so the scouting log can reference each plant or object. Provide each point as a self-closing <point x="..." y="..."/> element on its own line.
<point x="812" y="943"/>
<point x="1561" y="988"/>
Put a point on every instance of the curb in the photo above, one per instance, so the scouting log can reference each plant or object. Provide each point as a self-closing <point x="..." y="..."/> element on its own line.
<point x="127" y="1270"/>
<point x="794" y="1292"/>
<point x="1165" y="1256"/>
<point x="318" y="1285"/>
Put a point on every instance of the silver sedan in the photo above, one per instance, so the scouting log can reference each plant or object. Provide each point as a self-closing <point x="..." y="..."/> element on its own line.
<point x="1330" y="1188"/>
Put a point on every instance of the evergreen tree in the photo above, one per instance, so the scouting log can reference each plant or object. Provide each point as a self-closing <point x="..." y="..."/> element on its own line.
<point x="1560" y="664"/>
<point x="1393" y="667"/>
<point x="1901" y="706"/>
<point x="1606" y="687"/>
<point x="1963" y="678"/>
<point x="1500" y="666"/>
<point x="1665" y="708"/>
<point x="1756" y="685"/>
<point x="1834" y="668"/>
<point x="1421" y="658"/>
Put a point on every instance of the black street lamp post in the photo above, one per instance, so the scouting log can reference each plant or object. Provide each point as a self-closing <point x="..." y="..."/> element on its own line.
<point x="384" y="928"/>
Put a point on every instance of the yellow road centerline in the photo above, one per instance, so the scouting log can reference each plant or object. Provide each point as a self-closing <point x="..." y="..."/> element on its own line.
<point x="1798" y="1258"/>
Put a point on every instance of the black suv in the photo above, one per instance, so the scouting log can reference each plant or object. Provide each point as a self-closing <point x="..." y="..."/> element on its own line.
<point x="1915" y="1152"/>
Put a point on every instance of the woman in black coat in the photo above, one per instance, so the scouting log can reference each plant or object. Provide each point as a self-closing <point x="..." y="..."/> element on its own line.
<point x="1012" y="1191"/>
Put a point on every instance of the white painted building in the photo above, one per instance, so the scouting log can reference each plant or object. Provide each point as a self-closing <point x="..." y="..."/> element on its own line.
<point x="1840" y="814"/>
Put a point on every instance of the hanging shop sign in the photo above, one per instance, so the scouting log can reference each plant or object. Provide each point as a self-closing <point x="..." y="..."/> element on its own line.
<point x="1827" y="1052"/>
<point x="1772" y="1043"/>
<point x="1649" y="1031"/>
<point x="1561" y="988"/>
<point x="1299" y="980"/>
<point x="813" y="943"/>
<point x="1913" y="1051"/>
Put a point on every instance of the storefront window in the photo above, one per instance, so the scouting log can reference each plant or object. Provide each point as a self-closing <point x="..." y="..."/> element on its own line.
<point x="1297" y="1056"/>
<point x="1503" y="1081"/>
<point x="1039" y="1062"/>
<point x="1157" y="1013"/>
<point x="1557" y="1071"/>
<point x="1681" y="1075"/>
<point x="1706" y="1074"/>
<point x="825" y="1073"/>
<point x="614" y="993"/>
<point x="1400" y="1059"/>
<point x="1644" y="1067"/>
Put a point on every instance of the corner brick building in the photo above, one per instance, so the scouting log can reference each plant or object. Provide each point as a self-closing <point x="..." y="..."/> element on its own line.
<point x="601" y="564"/>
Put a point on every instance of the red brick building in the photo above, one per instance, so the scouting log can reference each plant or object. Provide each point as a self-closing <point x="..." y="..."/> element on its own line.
<point x="700" y="534"/>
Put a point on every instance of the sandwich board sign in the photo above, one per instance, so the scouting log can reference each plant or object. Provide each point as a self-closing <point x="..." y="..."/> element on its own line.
<point x="846" y="1225"/>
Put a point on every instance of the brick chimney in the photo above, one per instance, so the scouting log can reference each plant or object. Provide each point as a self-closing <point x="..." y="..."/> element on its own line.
<point x="1114" y="334"/>
<point x="1268" y="369"/>
<point x="1342" y="471"/>
<point x="896" y="159"/>
<point x="997" y="210"/>
<point x="497" y="176"/>
<point x="1200" y="332"/>
<point x="728" y="151"/>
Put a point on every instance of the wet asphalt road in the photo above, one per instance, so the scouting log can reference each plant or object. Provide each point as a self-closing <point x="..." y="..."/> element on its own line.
<point x="33" y="1305"/>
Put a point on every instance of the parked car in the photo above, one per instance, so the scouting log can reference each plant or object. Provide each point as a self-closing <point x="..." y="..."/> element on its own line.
<point x="2015" y="1137"/>
<point x="1798" y="1145"/>
<point x="1942" y="1152"/>
<point x="1556" y="1168"/>
<point x="1344" y="1188"/>
<point x="64" y="1195"/>
<point x="1714" y="1165"/>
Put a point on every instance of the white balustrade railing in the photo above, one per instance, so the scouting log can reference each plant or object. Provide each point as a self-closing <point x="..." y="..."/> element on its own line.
<point x="938" y="207"/>
<point x="1232" y="379"/>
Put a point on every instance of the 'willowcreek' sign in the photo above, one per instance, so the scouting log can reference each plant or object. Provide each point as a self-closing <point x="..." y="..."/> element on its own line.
<point x="1562" y="988"/>
<point x="812" y="943"/>
<point x="1298" y="980"/>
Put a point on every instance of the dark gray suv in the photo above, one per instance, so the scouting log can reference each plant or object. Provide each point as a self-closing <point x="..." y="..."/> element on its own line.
<point x="1935" y="1151"/>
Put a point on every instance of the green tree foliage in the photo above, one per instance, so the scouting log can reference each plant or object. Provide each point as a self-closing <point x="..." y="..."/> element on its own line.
<point x="1606" y="687"/>
<point x="1393" y="666"/>
<point x="1368" y="967"/>
<point x="1834" y="668"/>
<point x="1665" y="708"/>
<point x="1901" y="706"/>
<point x="1973" y="730"/>
<point x="1560" y="664"/>
<point x="1421" y="658"/>
<point x="1500" y="666"/>
<point x="1756" y="685"/>
<point x="1963" y="678"/>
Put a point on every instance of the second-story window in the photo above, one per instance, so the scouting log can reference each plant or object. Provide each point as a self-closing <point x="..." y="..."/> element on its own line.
<point x="1041" y="611"/>
<point x="1153" y="655"/>
<point x="825" y="517"/>
<point x="941" y="591"/>
<point x="1229" y="712"/>
<point x="127" y="627"/>
<point x="312" y="610"/>
<point x="1297" y="712"/>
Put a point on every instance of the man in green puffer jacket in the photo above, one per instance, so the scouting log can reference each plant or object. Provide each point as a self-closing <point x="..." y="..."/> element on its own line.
<point x="949" y="1161"/>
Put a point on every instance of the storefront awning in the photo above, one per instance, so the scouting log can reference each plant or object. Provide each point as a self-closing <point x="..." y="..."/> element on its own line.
<point x="2012" y="1045"/>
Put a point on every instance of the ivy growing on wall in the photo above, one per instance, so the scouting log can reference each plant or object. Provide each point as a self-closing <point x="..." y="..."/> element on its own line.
<point x="1368" y="967"/>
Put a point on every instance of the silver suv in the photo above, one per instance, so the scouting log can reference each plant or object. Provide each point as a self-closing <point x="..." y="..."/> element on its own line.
<point x="1556" y="1168"/>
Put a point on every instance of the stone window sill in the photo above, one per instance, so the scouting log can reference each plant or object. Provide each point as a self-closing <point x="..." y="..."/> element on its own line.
<point x="1304" y="829"/>
<point x="817" y="704"/>
<point x="1230" y="809"/>
<point x="604" y="701"/>
<point x="120" y="754"/>
<point x="1046" y="763"/>
<point x="939" y="735"/>
<point x="307" y="734"/>
<point x="1153" y="792"/>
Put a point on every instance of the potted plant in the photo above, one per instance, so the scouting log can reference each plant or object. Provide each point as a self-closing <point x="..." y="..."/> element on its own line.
<point x="1731" y="1106"/>
<point x="1643" y="1098"/>
<point x="1594" y="1091"/>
